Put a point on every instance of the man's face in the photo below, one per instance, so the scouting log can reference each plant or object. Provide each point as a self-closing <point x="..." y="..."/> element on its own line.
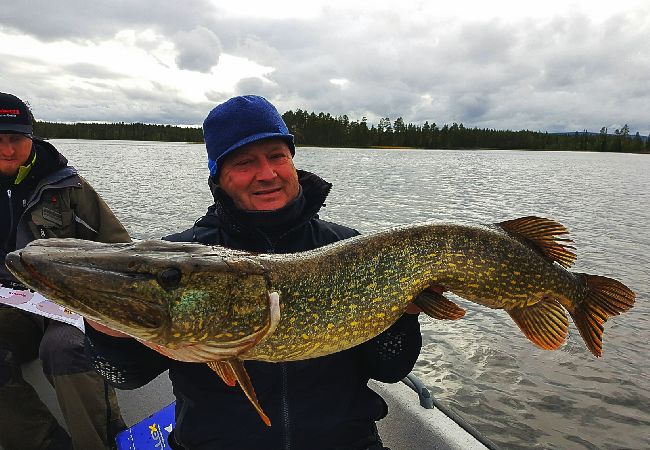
<point x="260" y="176"/>
<point x="14" y="151"/>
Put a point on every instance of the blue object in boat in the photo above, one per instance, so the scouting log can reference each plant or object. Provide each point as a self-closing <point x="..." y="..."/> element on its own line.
<point x="150" y="433"/>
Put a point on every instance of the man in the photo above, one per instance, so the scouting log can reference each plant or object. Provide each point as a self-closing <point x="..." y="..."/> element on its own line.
<point x="43" y="197"/>
<point x="263" y="204"/>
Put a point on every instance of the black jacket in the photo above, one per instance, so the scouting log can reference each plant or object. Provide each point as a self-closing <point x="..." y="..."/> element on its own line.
<point x="320" y="403"/>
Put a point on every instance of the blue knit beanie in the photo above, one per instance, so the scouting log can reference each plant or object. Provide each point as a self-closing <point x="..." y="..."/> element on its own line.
<point x="240" y="121"/>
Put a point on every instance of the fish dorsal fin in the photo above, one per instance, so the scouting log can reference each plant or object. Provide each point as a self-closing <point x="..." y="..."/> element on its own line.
<point x="543" y="235"/>
<point x="545" y="323"/>
<point x="436" y="305"/>
<point x="235" y="368"/>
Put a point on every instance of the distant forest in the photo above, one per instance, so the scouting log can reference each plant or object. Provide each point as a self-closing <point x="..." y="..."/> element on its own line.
<point x="325" y="130"/>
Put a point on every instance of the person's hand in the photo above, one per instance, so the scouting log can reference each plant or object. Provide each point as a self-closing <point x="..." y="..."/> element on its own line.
<point x="412" y="308"/>
<point x="104" y="329"/>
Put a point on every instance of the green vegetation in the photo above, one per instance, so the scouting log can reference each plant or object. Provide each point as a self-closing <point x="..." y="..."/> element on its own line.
<point x="325" y="130"/>
<point x="117" y="131"/>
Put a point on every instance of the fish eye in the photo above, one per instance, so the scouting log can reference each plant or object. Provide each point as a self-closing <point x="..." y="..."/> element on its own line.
<point x="169" y="278"/>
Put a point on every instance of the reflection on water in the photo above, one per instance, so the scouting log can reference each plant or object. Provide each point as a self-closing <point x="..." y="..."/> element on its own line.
<point x="481" y="366"/>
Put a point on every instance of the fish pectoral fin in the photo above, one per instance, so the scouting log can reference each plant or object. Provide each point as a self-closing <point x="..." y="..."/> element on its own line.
<point x="545" y="323"/>
<point x="543" y="235"/>
<point x="436" y="305"/>
<point x="225" y="372"/>
<point x="236" y="366"/>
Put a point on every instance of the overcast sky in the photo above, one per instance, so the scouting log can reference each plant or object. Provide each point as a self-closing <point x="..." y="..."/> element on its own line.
<point x="559" y="65"/>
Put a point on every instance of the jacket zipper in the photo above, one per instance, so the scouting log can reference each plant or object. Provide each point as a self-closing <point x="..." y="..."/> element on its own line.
<point x="284" y="394"/>
<point x="11" y="209"/>
<point x="11" y="219"/>
<point x="286" y="419"/>
<point x="284" y="391"/>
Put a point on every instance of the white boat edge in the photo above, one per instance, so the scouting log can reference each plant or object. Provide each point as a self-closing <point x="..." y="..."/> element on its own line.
<point x="410" y="426"/>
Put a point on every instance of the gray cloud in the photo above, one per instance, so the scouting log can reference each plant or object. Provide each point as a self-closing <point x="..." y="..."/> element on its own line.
<point x="557" y="74"/>
<point x="86" y="70"/>
<point x="566" y="73"/>
<point x="96" y="20"/>
<point x="97" y="99"/>
<point x="198" y="49"/>
<point x="80" y="21"/>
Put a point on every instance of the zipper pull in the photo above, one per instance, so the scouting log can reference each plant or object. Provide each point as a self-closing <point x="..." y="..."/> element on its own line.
<point x="41" y="229"/>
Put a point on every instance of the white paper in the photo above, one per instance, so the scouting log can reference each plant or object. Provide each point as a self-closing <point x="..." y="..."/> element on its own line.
<point x="34" y="302"/>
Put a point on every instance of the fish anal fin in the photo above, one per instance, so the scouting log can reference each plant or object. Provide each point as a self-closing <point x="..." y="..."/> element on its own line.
<point x="225" y="372"/>
<point x="545" y="323"/>
<point x="234" y="370"/>
<point x="543" y="235"/>
<point x="436" y="305"/>
<point x="606" y="297"/>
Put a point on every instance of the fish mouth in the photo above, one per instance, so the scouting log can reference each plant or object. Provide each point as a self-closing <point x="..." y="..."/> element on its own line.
<point x="86" y="291"/>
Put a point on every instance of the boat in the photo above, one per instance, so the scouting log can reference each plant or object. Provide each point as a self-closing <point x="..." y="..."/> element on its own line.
<point x="415" y="421"/>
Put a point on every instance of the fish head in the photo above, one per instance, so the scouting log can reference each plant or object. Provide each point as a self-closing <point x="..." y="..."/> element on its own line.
<point x="158" y="291"/>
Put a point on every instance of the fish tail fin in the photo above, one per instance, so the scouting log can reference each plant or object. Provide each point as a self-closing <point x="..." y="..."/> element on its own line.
<point x="606" y="297"/>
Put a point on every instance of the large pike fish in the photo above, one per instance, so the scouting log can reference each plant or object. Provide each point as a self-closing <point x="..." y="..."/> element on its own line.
<point x="198" y="303"/>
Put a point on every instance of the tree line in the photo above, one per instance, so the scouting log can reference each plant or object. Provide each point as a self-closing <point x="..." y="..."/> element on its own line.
<point x="117" y="131"/>
<point x="325" y="130"/>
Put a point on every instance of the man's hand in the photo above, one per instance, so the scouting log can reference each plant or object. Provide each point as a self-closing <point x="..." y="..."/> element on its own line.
<point x="104" y="329"/>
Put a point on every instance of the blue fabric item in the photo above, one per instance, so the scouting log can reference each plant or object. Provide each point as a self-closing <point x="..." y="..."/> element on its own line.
<point x="240" y="121"/>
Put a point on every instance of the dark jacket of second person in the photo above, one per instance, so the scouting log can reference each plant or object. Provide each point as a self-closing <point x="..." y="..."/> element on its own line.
<point x="53" y="201"/>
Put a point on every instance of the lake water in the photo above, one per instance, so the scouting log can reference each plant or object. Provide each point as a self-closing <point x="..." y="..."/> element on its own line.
<point x="482" y="366"/>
